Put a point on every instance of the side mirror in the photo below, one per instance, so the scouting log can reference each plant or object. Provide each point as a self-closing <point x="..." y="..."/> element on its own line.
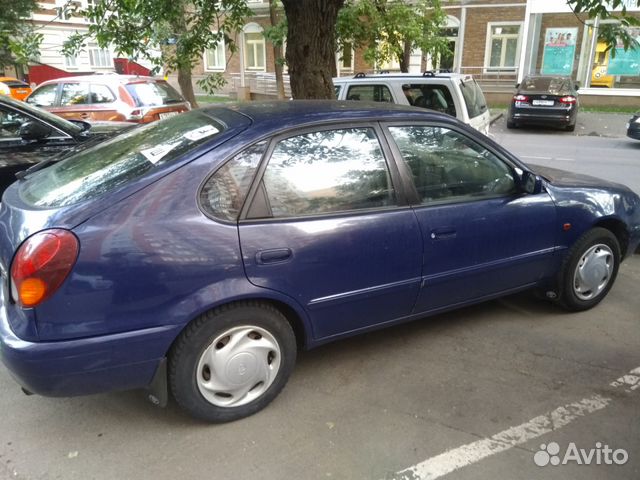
<point x="531" y="183"/>
<point x="34" y="131"/>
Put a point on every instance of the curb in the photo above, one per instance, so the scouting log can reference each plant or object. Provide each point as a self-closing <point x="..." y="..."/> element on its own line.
<point x="496" y="117"/>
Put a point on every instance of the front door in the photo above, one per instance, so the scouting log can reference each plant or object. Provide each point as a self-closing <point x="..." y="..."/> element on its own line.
<point x="326" y="228"/>
<point x="482" y="235"/>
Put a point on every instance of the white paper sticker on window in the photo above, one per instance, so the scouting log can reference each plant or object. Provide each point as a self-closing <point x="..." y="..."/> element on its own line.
<point x="199" y="133"/>
<point x="155" y="154"/>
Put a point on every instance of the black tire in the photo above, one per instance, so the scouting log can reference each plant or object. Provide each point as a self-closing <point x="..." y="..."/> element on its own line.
<point x="575" y="297"/>
<point x="511" y="124"/>
<point x="186" y="378"/>
<point x="570" y="128"/>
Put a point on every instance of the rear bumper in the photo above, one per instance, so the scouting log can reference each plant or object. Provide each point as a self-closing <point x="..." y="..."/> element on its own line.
<point x="634" y="131"/>
<point x="554" y="119"/>
<point x="83" y="366"/>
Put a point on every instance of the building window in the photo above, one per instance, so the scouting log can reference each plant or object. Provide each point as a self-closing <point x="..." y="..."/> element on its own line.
<point x="254" y="47"/>
<point x="99" y="57"/>
<point x="71" y="61"/>
<point x="215" y="58"/>
<point x="346" y="57"/>
<point x="503" y="40"/>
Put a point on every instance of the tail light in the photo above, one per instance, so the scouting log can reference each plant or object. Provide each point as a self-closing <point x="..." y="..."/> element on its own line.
<point x="136" y="114"/>
<point x="520" y="98"/>
<point x="41" y="264"/>
<point x="569" y="100"/>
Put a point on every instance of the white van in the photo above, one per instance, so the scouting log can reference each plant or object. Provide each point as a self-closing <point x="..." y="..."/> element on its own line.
<point x="452" y="93"/>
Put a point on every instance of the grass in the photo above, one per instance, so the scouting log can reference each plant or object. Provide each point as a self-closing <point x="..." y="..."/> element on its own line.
<point x="594" y="109"/>
<point x="206" y="99"/>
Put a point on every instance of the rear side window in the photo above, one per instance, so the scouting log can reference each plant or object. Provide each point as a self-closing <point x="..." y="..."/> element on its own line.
<point x="74" y="94"/>
<point x="473" y="98"/>
<point x="433" y="97"/>
<point x="327" y="171"/>
<point x="101" y="94"/>
<point x="224" y="193"/>
<point x="150" y="94"/>
<point x="370" y="93"/>
<point x="113" y="163"/>
<point x="44" y="96"/>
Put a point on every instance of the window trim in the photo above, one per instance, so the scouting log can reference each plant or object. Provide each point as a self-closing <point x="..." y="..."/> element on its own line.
<point x="390" y="160"/>
<point x="414" y="198"/>
<point x="487" y="49"/>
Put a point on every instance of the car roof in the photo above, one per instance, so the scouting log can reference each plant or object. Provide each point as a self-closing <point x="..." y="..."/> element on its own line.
<point x="278" y="115"/>
<point x="110" y="78"/>
<point x="363" y="77"/>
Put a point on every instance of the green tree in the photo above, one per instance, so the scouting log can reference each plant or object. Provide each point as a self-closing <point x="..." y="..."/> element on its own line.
<point x="608" y="10"/>
<point x="19" y="42"/>
<point x="389" y="30"/>
<point x="181" y="30"/>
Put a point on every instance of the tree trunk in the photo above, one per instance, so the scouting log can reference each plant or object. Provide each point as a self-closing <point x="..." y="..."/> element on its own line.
<point x="186" y="86"/>
<point x="310" y="46"/>
<point x="405" y="60"/>
<point x="277" y="52"/>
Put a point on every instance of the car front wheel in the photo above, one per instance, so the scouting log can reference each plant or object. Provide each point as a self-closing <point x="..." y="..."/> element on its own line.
<point x="590" y="269"/>
<point x="232" y="362"/>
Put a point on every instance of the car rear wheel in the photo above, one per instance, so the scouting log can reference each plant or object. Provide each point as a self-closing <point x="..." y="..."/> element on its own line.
<point x="590" y="269"/>
<point x="232" y="362"/>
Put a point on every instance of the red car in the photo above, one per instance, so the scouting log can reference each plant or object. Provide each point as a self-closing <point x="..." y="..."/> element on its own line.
<point x="127" y="98"/>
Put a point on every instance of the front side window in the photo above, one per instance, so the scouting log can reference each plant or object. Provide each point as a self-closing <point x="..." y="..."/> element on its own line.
<point x="10" y="123"/>
<point x="327" y="171"/>
<point x="74" y="94"/>
<point x="44" y="96"/>
<point x="370" y="93"/>
<point x="449" y="166"/>
<point x="502" y="51"/>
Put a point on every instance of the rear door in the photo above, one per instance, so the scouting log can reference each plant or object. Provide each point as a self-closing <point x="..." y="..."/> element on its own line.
<point x="327" y="227"/>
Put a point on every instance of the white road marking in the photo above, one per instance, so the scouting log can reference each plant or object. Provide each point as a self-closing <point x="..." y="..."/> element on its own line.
<point x="465" y="455"/>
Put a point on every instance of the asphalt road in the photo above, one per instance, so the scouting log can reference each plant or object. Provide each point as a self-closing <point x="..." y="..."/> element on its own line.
<point x="474" y="392"/>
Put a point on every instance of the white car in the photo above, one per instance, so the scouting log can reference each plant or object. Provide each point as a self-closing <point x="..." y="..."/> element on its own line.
<point x="455" y="94"/>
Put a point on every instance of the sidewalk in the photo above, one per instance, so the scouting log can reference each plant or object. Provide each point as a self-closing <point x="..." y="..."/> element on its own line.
<point x="592" y="124"/>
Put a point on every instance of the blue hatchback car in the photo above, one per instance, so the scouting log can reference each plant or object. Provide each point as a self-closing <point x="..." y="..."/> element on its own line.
<point x="196" y="255"/>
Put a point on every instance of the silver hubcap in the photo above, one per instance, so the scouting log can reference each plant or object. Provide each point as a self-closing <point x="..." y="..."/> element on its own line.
<point x="238" y="366"/>
<point x="593" y="272"/>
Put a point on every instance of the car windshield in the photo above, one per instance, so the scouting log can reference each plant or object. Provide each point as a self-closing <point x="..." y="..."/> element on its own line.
<point x="50" y="118"/>
<point x="473" y="98"/>
<point x="113" y="163"/>
<point x="544" y="84"/>
<point x="149" y="94"/>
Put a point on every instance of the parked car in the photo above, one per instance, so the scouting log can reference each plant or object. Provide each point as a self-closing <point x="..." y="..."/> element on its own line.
<point x="109" y="97"/>
<point x="544" y="100"/>
<point x="633" y="127"/>
<point x="202" y="251"/>
<point x="452" y="93"/>
<point x="29" y="135"/>
<point x="13" y="87"/>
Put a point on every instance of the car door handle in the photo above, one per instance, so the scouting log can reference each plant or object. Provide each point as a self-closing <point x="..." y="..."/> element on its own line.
<point x="443" y="233"/>
<point x="84" y="115"/>
<point x="275" y="255"/>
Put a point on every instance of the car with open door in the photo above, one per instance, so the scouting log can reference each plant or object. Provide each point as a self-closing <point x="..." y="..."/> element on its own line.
<point x="195" y="256"/>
